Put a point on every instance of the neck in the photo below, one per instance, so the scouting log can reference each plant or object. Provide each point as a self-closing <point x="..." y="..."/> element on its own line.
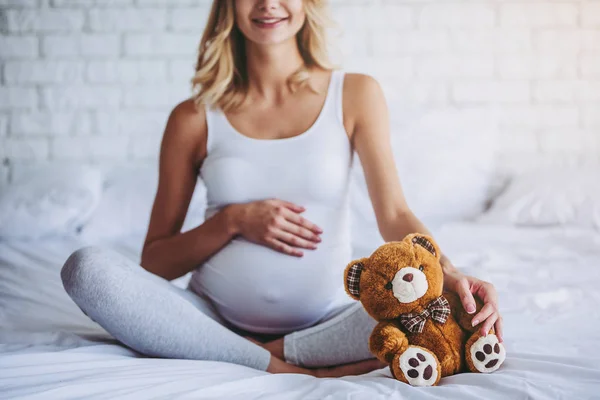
<point x="269" y="67"/>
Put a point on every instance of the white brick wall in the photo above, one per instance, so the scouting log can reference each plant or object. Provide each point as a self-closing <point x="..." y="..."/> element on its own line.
<point x="94" y="80"/>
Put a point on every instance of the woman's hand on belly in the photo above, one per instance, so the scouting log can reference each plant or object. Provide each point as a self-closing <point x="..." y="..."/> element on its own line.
<point x="276" y="224"/>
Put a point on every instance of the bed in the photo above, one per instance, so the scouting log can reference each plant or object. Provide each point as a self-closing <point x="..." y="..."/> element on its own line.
<point x="547" y="280"/>
<point x="538" y="242"/>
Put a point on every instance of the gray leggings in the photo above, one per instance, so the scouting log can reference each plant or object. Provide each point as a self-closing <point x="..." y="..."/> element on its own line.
<point x="158" y="319"/>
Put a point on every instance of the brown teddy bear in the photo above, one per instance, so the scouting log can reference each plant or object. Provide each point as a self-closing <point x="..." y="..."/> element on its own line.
<point x="421" y="333"/>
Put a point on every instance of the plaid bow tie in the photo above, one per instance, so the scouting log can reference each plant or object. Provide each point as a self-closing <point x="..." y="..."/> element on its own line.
<point x="438" y="309"/>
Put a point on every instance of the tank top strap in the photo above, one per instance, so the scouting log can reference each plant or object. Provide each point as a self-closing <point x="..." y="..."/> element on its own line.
<point x="337" y="88"/>
<point x="218" y="128"/>
<point x="210" y="128"/>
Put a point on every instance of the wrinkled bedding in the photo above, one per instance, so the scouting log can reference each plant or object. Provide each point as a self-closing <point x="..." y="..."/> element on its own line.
<point x="547" y="279"/>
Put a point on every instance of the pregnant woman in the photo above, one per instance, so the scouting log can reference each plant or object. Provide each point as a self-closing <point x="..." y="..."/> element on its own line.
<point x="272" y="132"/>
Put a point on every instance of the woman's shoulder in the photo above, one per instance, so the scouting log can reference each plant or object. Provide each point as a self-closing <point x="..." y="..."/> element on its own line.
<point x="186" y="126"/>
<point x="361" y="93"/>
<point x="188" y="114"/>
<point x="360" y="84"/>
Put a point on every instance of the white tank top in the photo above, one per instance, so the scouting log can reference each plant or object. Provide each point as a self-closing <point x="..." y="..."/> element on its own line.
<point x="253" y="286"/>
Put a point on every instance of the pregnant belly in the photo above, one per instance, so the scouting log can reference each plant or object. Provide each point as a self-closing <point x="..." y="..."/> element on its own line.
<point x="263" y="290"/>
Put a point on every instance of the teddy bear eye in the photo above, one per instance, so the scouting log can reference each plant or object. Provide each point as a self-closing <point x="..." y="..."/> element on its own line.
<point x="421" y="268"/>
<point x="388" y="285"/>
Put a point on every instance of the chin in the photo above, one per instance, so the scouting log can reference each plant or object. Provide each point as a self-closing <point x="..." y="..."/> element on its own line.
<point x="272" y="34"/>
<point x="270" y="40"/>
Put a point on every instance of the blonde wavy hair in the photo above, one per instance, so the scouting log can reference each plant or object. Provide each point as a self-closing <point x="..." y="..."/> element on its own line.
<point x="221" y="77"/>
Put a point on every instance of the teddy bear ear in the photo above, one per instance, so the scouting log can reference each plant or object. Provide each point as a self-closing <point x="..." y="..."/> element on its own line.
<point x="352" y="278"/>
<point x="426" y="242"/>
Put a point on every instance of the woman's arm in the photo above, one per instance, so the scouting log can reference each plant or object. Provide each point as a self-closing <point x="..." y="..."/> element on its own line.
<point x="371" y="140"/>
<point x="167" y="252"/>
<point x="368" y="122"/>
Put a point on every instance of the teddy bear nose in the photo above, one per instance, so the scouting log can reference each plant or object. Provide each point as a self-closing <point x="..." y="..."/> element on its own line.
<point x="407" y="277"/>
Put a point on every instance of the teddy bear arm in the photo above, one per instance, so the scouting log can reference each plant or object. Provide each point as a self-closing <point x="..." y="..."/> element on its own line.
<point x="460" y="314"/>
<point x="387" y="340"/>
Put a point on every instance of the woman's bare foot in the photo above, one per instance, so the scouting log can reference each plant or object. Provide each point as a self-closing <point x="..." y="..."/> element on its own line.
<point x="356" y="368"/>
<point x="278" y="366"/>
<point x="275" y="347"/>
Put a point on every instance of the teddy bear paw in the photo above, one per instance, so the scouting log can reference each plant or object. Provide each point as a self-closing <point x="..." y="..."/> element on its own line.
<point x="418" y="366"/>
<point x="487" y="354"/>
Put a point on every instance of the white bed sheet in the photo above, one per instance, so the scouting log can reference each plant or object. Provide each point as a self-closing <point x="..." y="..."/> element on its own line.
<point x="548" y="281"/>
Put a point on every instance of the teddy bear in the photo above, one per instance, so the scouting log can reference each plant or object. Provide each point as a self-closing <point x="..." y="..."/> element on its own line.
<point x="423" y="333"/>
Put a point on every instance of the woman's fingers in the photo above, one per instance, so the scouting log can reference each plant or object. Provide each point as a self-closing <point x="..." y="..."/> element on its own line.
<point x="302" y="222"/>
<point x="489" y="322"/>
<point x="292" y="206"/>
<point x="294" y="240"/>
<point x="466" y="297"/>
<point x="282" y="247"/>
<point x="489" y="315"/>
<point x="288" y="230"/>
<point x="498" y="328"/>
<point x="483" y="314"/>
<point x="488" y="294"/>
<point x="300" y="232"/>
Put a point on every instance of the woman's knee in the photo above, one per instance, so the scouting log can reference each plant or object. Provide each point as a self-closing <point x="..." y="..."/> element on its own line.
<point x="82" y="265"/>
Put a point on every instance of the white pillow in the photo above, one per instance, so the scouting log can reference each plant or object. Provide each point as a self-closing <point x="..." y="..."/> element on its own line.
<point x="445" y="162"/>
<point x="549" y="196"/>
<point x="49" y="200"/>
<point x="127" y="200"/>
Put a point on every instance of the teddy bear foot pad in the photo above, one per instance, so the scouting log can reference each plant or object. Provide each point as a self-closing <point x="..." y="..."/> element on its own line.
<point x="419" y="366"/>
<point x="487" y="354"/>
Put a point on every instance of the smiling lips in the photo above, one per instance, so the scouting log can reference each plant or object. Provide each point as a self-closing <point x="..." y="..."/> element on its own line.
<point x="270" y="22"/>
